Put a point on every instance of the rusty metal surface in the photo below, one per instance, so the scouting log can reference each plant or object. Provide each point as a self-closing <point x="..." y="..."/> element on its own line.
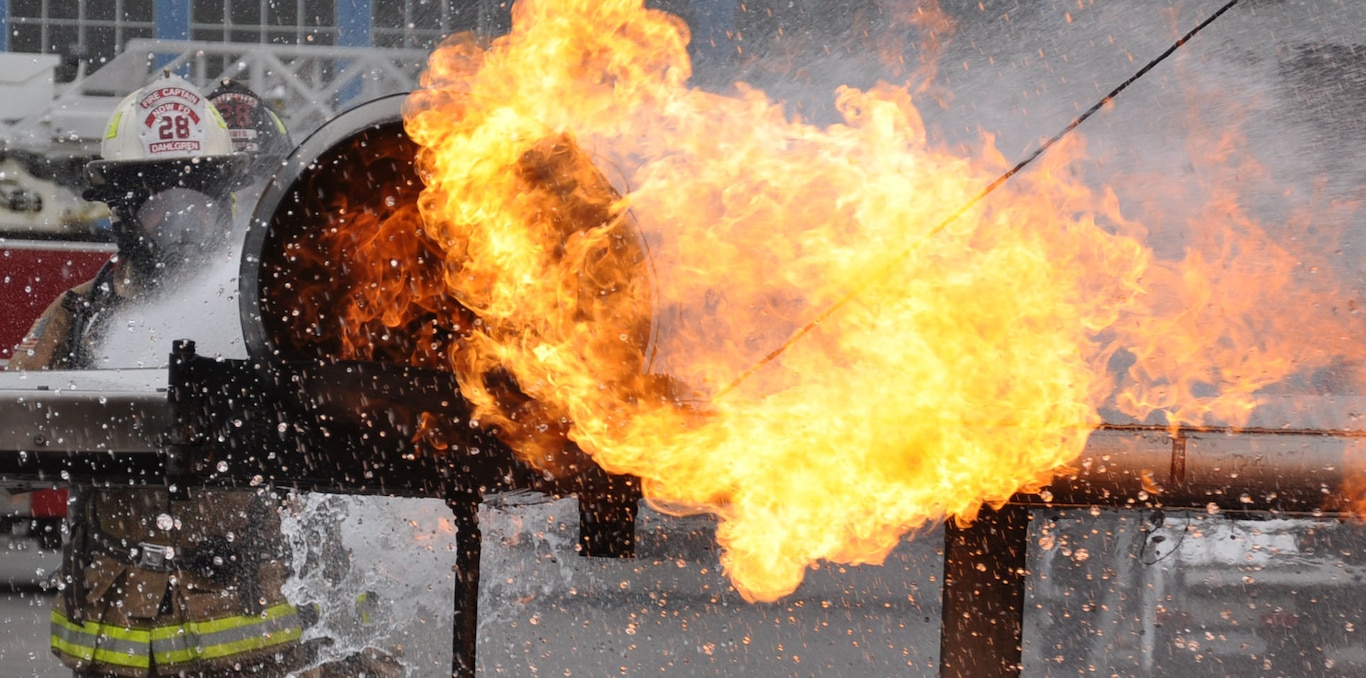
<point x="1277" y="470"/>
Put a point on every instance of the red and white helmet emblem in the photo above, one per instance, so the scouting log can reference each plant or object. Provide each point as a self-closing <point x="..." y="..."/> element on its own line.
<point x="171" y="121"/>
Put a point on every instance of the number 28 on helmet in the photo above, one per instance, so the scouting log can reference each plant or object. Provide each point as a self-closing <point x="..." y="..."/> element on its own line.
<point x="165" y="135"/>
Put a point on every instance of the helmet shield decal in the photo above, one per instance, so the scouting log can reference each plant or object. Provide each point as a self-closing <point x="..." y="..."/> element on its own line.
<point x="164" y="135"/>
<point x="172" y="120"/>
<point x="254" y="128"/>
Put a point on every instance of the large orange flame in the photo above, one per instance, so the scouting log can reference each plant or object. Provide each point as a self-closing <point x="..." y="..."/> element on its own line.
<point x="633" y="247"/>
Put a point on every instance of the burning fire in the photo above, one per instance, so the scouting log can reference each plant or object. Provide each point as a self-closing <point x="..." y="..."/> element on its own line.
<point x="778" y="323"/>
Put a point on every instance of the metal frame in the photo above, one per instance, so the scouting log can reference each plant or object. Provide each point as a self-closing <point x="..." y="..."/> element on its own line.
<point x="84" y="427"/>
<point x="315" y="84"/>
<point x="96" y="425"/>
<point x="1269" y="466"/>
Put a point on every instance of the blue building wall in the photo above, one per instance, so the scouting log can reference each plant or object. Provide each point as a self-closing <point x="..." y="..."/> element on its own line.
<point x="354" y="20"/>
<point x="172" y="19"/>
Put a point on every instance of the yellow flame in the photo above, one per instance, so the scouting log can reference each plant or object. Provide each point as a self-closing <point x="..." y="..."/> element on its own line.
<point x="632" y="246"/>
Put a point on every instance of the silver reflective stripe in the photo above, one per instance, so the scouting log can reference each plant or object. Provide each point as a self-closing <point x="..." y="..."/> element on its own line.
<point x="180" y="643"/>
<point x="100" y="643"/>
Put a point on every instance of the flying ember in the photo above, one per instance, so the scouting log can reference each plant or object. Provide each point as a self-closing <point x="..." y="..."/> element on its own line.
<point x="627" y="251"/>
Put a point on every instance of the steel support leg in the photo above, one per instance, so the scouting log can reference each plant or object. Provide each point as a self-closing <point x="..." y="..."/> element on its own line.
<point x="469" y="547"/>
<point x="983" y="609"/>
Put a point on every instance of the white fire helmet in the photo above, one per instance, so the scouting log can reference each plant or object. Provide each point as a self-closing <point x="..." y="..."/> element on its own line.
<point x="167" y="124"/>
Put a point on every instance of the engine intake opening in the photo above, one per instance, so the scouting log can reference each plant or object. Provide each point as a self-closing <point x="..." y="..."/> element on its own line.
<point x="338" y="258"/>
<point x="339" y="277"/>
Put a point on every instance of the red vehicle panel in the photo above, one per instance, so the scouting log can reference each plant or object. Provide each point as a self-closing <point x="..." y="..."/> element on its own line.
<point x="48" y="503"/>
<point x="33" y="273"/>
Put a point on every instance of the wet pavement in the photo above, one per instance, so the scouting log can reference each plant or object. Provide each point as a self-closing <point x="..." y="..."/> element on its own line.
<point x="24" y="607"/>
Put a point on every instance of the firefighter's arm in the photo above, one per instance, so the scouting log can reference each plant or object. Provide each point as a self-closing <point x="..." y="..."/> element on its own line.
<point x="45" y="342"/>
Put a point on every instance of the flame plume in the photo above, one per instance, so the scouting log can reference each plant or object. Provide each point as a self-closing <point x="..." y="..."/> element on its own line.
<point x="630" y="246"/>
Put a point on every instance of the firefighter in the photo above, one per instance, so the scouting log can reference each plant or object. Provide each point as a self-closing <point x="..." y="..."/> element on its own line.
<point x="256" y="130"/>
<point x="156" y="582"/>
<point x="166" y="164"/>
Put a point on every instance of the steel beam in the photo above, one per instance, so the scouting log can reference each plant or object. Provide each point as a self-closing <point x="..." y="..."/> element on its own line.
<point x="98" y="426"/>
<point x="984" y="594"/>
<point x="84" y="425"/>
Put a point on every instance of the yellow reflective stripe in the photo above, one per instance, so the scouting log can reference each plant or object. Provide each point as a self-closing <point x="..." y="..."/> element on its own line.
<point x="111" y="630"/>
<point x="100" y="643"/>
<point x="257" y="642"/>
<point x="113" y="129"/>
<point x="279" y="124"/>
<point x="224" y="623"/>
<point x="363" y="606"/>
<point x="218" y="117"/>
<point x="180" y="643"/>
